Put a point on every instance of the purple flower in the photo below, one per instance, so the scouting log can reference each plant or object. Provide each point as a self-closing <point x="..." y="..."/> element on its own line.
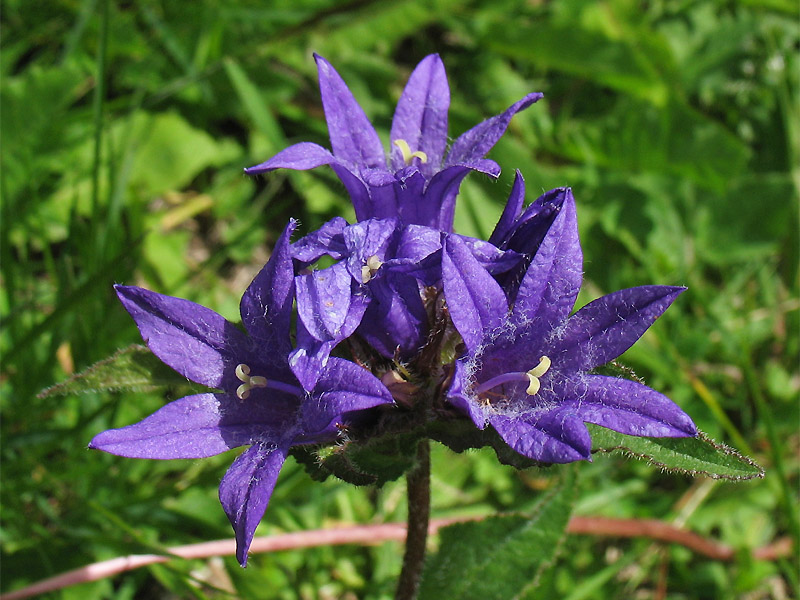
<point x="420" y="183"/>
<point x="527" y="369"/>
<point x="261" y="403"/>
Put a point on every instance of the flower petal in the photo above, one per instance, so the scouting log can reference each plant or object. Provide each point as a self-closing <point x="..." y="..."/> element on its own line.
<point x="628" y="407"/>
<point x="343" y="387"/>
<point x="421" y="115"/>
<point x="476" y="302"/>
<point x="608" y="326"/>
<point x="196" y="427"/>
<point x="553" y="279"/>
<point x="300" y="157"/>
<point x="192" y="339"/>
<point x="549" y="437"/>
<point x="458" y="396"/>
<point x="328" y="239"/>
<point x="323" y="300"/>
<point x="353" y="138"/>
<point x="510" y="213"/>
<point x="396" y="317"/>
<point x="266" y="305"/>
<point x="437" y="208"/>
<point x="246" y="488"/>
<point x="475" y="143"/>
<point x="359" y="195"/>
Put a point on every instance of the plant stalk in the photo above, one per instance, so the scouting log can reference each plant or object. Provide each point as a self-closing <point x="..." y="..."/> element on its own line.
<point x="418" y="481"/>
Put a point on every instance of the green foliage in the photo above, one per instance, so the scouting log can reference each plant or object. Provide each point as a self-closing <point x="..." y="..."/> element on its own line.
<point x="674" y="122"/>
<point x="502" y="556"/>
<point x="693" y="456"/>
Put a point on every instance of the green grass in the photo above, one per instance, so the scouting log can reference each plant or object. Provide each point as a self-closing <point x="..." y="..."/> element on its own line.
<point x="124" y="129"/>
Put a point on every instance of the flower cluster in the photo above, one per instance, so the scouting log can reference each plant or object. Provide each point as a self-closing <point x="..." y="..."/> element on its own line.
<point x="411" y="324"/>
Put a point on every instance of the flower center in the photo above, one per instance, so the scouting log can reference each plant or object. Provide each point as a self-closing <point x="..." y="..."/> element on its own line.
<point x="368" y="271"/>
<point x="531" y="377"/>
<point x="243" y="375"/>
<point x="408" y="155"/>
<point x="256" y="381"/>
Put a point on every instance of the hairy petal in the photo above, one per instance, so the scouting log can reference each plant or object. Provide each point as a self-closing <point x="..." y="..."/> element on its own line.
<point x="553" y="279"/>
<point x="421" y="115"/>
<point x="511" y="212"/>
<point x="608" y="326"/>
<point x="353" y="138"/>
<point x="458" y="396"/>
<point x="549" y="437"/>
<point x="475" y="143"/>
<point x="246" y="488"/>
<point x="476" y="303"/>
<point x="300" y="157"/>
<point x="628" y="407"/>
<point x="192" y="339"/>
<point x="266" y="306"/>
<point x="195" y="427"/>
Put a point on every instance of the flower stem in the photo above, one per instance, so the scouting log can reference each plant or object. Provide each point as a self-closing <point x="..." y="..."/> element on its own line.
<point x="418" y="481"/>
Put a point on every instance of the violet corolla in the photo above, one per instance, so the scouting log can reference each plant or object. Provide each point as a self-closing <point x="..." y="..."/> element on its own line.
<point x="527" y="369"/>
<point x="261" y="403"/>
<point x="421" y="180"/>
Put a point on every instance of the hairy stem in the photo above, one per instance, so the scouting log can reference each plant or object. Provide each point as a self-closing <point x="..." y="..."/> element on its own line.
<point x="418" y="481"/>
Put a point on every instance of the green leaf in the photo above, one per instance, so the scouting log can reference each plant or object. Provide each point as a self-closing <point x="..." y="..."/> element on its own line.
<point x="500" y="557"/>
<point x="134" y="368"/>
<point x="694" y="456"/>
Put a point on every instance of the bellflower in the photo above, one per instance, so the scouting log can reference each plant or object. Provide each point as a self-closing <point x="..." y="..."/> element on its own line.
<point x="527" y="369"/>
<point x="260" y="404"/>
<point x="421" y="180"/>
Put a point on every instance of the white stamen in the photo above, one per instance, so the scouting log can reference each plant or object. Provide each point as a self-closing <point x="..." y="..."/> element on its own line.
<point x="248" y="383"/>
<point x="368" y="271"/>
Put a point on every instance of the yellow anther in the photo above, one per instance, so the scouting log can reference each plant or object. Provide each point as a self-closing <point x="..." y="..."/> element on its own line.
<point x="408" y="155"/>
<point x="533" y="386"/>
<point x="248" y="383"/>
<point x="533" y="375"/>
<point x="541" y="368"/>
<point x="368" y="271"/>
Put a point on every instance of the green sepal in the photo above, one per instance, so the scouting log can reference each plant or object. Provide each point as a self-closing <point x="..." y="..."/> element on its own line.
<point x="692" y="455"/>
<point x="134" y="368"/>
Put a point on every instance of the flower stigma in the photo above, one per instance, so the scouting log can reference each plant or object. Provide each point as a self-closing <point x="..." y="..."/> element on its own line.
<point x="368" y="271"/>
<point x="531" y="377"/>
<point x="409" y="156"/>
<point x="248" y="382"/>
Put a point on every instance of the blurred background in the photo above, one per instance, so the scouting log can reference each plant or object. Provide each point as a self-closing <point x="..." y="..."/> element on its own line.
<point x="125" y="127"/>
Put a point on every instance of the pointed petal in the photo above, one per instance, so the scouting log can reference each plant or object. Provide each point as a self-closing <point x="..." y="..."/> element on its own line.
<point x="374" y="237"/>
<point x="489" y="256"/>
<point x="192" y="339"/>
<point x="353" y="138"/>
<point x="300" y="157"/>
<point x="475" y="143"/>
<point x="246" y="488"/>
<point x="421" y="115"/>
<point x="266" y="305"/>
<point x="328" y="239"/>
<point x="438" y="206"/>
<point x="343" y="388"/>
<point x="476" y="303"/>
<point x="196" y="427"/>
<point x="512" y="210"/>
<point x="608" y="326"/>
<point x="628" y="407"/>
<point x="549" y="437"/>
<point x="553" y="279"/>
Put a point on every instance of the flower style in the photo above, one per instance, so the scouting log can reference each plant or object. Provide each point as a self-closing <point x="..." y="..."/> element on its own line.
<point x="527" y="370"/>
<point x="261" y="403"/>
<point x="420" y="183"/>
